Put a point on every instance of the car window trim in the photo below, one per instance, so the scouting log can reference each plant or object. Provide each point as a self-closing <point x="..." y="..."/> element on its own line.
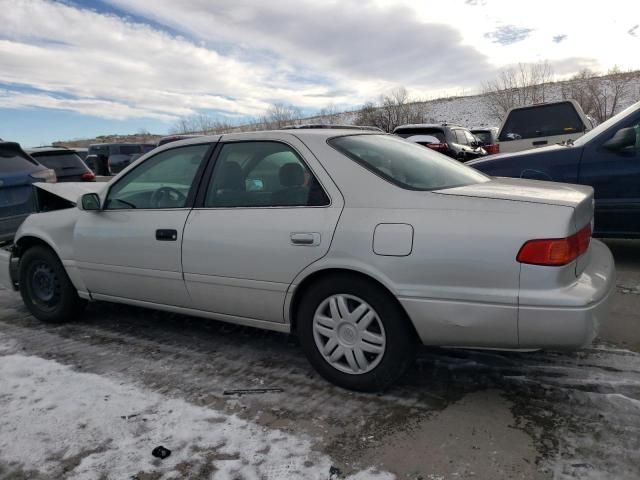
<point x="208" y="177"/>
<point x="194" y="183"/>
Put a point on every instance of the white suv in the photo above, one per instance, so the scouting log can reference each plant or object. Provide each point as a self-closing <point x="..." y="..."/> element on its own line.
<point x="542" y="124"/>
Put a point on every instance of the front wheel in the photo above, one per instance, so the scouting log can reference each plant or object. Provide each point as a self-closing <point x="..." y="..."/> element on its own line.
<point x="354" y="333"/>
<point x="45" y="287"/>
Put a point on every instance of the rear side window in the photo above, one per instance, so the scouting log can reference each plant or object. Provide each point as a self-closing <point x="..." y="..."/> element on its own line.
<point x="262" y="174"/>
<point x="59" y="161"/>
<point x="460" y="137"/>
<point x="434" y="132"/>
<point x="130" y="149"/>
<point x="541" y="121"/>
<point x="406" y="164"/>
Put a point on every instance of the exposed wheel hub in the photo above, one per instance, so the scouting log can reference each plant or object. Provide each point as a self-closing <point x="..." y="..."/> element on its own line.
<point x="44" y="286"/>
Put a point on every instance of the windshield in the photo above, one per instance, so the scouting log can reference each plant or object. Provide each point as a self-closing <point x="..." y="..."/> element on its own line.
<point x="406" y="164"/>
<point x="605" y="125"/>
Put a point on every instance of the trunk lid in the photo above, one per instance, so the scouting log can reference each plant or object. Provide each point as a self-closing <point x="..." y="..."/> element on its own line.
<point x="577" y="197"/>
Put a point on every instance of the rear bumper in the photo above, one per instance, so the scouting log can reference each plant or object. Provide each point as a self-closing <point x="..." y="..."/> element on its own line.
<point x="575" y="323"/>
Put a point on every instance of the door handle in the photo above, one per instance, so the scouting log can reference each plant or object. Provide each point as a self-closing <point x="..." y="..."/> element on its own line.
<point x="306" y="239"/>
<point x="166" y="235"/>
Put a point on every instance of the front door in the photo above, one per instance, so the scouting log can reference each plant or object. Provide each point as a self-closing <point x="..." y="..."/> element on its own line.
<point x="615" y="176"/>
<point x="131" y="248"/>
<point x="268" y="212"/>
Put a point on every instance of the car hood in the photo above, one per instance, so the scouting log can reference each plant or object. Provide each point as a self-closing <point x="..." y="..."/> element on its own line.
<point x="520" y="190"/>
<point x="71" y="191"/>
<point x="522" y="154"/>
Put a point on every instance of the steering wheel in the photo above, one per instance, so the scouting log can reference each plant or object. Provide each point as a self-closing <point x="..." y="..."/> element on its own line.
<point x="165" y="197"/>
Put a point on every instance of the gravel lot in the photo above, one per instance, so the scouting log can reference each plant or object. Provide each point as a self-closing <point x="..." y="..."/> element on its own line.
<point x="90" y="400"/>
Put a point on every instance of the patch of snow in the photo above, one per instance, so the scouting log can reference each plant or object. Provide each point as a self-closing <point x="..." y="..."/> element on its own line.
<point x="53" y="418"/>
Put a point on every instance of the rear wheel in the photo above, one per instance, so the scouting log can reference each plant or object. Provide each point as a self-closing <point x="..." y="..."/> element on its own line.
<point x="354" y="333"/>
<point x="45" y="287"/>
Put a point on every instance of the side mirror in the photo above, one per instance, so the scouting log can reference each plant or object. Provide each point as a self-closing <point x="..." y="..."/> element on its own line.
<point x="90" y="201"/>
<point x="623" y="138"/>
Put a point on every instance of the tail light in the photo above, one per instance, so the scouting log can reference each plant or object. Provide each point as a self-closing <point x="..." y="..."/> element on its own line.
<point x="556" y="252"/>
<point x="439" y="147"/>
<point x="88" y="177"/>
<point x="492" y="149"/>
<point x="47" y="175"/>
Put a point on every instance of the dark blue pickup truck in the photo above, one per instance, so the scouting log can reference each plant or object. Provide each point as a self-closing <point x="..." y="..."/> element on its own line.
<point x="607" y="158"/>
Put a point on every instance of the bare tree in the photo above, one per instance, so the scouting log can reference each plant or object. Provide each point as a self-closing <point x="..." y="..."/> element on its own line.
<point x="599" y="96"/>
<point x="393" y="109"/>
<point x="329" y="115"/>
<point x="524" y="84"/>
<point x="280" y="115"/>
<point x="201" y="124"/>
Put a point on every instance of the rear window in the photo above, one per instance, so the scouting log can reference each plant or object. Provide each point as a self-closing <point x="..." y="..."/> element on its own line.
<point x="483" y="135"/>
<point x="541" y="121"/>
<point x="60" y="161"/>
<point x="98" y="149"/>
<point x="406" y="164"/>
<point x="410" y="132"/>
<point x="12" y="163"/>
<point x="130" y="149"/>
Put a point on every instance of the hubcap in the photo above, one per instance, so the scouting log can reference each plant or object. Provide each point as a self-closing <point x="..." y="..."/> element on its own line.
<point x="349" y="334"/>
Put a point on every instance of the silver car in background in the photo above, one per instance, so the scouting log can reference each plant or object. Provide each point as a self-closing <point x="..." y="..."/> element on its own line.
<point x="363" y="244"/>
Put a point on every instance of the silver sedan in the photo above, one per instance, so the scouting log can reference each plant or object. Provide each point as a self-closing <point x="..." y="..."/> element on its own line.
<point x="362" y="244"/>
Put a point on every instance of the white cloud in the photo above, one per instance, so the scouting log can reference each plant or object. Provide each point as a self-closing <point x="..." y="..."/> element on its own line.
<point x="114" y="68"/>
<point x="238" y="56"/>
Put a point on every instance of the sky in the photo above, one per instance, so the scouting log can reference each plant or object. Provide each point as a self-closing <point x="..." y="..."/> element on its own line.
<point x="77" y="69"/>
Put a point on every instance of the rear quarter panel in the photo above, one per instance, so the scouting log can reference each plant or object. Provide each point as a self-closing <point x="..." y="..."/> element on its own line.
<point x="459" y="285"/>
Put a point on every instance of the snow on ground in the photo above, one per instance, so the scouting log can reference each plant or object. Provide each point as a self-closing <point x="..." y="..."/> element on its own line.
<point x="90" y="426"/>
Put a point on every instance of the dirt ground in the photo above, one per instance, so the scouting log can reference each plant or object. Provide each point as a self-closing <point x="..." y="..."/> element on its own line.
<point x="456" y="414"/>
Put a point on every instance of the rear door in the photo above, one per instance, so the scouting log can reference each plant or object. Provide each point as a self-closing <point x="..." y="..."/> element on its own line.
<point x="615" y="177"/>
<point x="268" y="211"/>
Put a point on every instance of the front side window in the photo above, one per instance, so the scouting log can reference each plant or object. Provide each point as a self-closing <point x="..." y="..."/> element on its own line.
<point x="406" y="164"/>
<point x="262" y="174"/>
<point x="162" y="181"/>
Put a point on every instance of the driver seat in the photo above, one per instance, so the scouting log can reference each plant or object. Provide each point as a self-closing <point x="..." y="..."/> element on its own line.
<point x="231" y="190"/>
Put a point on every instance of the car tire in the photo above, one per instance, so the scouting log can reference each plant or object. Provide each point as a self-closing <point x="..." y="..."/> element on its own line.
<point x="45" y="287"/>
<point x="386" y="343"/>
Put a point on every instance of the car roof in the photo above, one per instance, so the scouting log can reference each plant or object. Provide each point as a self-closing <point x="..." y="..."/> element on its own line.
<point x="267" y="135"/>
<point x="484" y="129"/>
<point x="429" y="125"/>
<point x="48" y="150"/>
<point x="114" y="143"/>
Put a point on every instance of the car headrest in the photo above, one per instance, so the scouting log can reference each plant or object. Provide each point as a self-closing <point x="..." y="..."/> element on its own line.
<point x="291" y="175"/>
<point x="231" y="176"/>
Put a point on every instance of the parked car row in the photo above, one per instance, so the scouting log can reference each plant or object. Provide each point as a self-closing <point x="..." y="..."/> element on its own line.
<point x="523" y="128"/>
<point x="606" y="158"/>
<point x="20" y="168"/>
